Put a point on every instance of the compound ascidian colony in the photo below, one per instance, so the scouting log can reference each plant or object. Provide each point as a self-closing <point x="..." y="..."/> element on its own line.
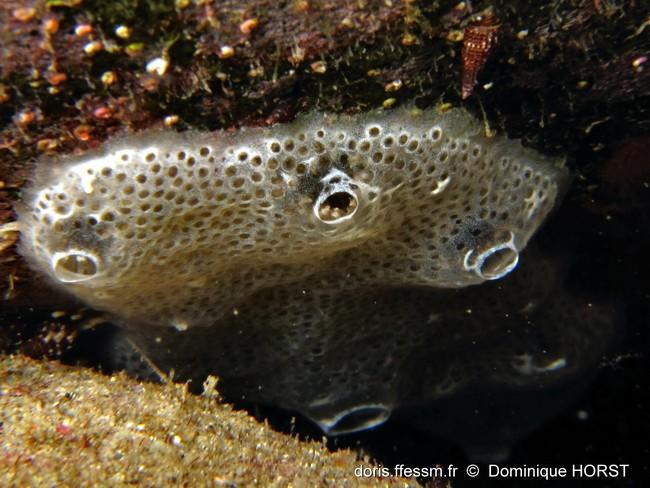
<point x="256" y="251"/>
<point x="168" y="229"/>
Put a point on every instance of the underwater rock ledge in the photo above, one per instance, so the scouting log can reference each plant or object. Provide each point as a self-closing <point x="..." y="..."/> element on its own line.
<point x="542" y="83"/>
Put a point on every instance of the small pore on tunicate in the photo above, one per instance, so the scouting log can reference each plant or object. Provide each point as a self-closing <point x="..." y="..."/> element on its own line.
<point x="356" y="419"/>
<point x="74" y="266"/>
<point x="498" y="263"/>
<point x="495" y="262"/>
<point x="337" y="206"/>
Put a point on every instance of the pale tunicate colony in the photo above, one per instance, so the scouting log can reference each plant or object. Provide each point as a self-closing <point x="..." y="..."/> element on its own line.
<point x="293" y="259"/>
<point x="177" y="230"/>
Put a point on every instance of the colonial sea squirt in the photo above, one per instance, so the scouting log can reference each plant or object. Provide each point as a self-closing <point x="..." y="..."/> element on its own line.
<point x="292" y="232"/>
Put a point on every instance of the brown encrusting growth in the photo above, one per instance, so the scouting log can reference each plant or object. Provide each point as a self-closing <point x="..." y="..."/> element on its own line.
<point x="73" y="427"/>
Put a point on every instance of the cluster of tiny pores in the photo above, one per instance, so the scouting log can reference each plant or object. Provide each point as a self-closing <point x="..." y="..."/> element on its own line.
<point x="186" y="226"/>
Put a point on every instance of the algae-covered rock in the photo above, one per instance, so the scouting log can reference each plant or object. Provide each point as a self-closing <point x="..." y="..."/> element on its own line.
<point x="65" y="426"/>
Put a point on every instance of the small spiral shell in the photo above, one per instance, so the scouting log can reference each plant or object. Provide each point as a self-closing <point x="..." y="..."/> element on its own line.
<point x="480" y="37"/>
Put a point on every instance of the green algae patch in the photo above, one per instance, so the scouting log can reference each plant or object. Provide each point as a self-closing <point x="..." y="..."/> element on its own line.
<point x="67" y="426"/>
